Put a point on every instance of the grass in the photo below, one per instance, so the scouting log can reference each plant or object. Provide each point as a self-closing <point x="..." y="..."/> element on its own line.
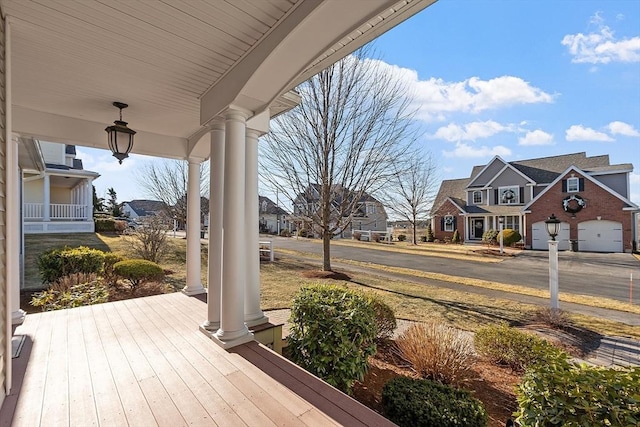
<point x="282" y="279"/>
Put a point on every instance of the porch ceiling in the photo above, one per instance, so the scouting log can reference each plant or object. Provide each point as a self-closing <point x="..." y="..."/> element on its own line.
<point x="176" y="63"/>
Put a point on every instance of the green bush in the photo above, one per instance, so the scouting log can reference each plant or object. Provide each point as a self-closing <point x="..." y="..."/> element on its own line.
<point x="402" y="237"/>
<point x="572" y="395"/>
<point x="430" y="236"/>
<point x="385" y="317"/>
<point x="509" y="237"/>
<point x="57" y="263"/>
<point x="138" y="271"/>
<point x="423" y="239"/>
<point x="105" y="225"/>
<point x="60" y="297"/>
<point x="456" y="236"/>
<point x="411" y="402"/>
<point x="333" y="332"/>
<point x="518" y="350"/>
<point x="108" y="272"/>
<point x="490" y="237"/>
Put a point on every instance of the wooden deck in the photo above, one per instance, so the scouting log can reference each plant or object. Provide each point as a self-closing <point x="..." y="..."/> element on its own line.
<point x="143" y="362"/>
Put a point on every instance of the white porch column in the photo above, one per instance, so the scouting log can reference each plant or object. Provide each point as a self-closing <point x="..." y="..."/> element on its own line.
<point x="233" y="331"/>
<point x="216" y="202"/>
<point x="46" y="198"/>
<point x="13" y="230"/>
<point x="194" y="282"/>
<point x="89" y="199"/>
<point x="252" y="313"/>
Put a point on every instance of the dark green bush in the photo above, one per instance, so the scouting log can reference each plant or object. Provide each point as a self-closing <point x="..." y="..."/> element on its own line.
<point x="490" y="237"/>
<point x="108" y="273"/>
<point x="385" y="317"/>
<point x="563" y="393"/>
<point x="60" y="296"/>
<point x="138" y="271"/>
<point x="402" y="237"/>
<point x="518" y="350"/>
<point x="456" y="236"/>
<point x="105" y="225"/>
<point x="430" y="236"/>
<point x="333" y="332"/>
<point x="411" y="402"/>
<point x="423" y="239"/>
<point x="58" y="263"/>
<point x="509" y="237"/>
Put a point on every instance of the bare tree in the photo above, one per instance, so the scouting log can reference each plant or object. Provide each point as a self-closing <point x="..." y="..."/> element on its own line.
<point x="166" y="181"/>
<point x="339" y="144"/>
<point x="410" y="192"/>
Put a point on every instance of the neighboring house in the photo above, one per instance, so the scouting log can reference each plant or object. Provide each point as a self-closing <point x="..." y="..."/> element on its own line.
<point x="57" y="193"/>
<point x="141" y="208"/>
<point x="369" y="214"/>
<point x="588" y="194"/>
<point x="270" y="215"/>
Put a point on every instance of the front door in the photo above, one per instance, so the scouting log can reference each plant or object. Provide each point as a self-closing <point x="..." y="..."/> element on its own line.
<point x="478" y="227"/>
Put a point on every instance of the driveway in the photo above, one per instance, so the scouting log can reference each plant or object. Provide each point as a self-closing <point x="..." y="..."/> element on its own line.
<point x="600" y="275"/>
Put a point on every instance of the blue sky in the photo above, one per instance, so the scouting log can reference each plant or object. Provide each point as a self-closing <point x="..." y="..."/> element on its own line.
<point x="518" y="79"/>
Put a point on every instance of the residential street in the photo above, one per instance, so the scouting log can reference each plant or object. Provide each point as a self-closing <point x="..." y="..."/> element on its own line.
<point x="601" y="275"/>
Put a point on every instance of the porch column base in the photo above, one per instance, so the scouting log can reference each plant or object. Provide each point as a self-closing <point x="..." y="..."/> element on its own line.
<point x="209" y="327"/>
<point x="194" y="290"/>
<point x="259" y="319"/>
<point x="18" y="316"/>
<point x="227" y="340"/>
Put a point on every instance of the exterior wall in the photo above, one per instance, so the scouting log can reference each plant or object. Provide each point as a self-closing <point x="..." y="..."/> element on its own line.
<point x="509" y="178"/>
<point x="599" y="203"/>
<point x="60" y="195"/>
<point x="33" y="191"/>
<point x="538" y="189"/>
<point x="53" y="153"/>
<point x="617" y="182"/>
<point x="447" y="208"/>
<point x="488" y="173"/>
<point x="485" y="195"/>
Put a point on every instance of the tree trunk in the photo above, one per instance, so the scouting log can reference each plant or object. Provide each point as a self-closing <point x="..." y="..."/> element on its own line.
<point x="415" y="240"/>
<point x="326" y="254"/>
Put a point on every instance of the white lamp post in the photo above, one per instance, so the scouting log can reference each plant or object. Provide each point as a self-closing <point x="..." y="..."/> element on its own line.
<point x="553" y="227"/>
<point x="501" y="227"/>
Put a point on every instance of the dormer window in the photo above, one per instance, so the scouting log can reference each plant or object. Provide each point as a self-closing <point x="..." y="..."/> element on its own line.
<point x="477" y="197"/>
<point x="509" y="195"/>
<point x="573" y="185"/>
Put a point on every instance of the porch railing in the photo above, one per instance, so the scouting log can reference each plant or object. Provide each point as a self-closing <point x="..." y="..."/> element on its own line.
<point x="57" y="211"/>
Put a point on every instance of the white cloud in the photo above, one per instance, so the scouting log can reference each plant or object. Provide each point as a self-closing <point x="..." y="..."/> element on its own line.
<point x="468" y="151"/>
<point x="471" y="131"/>
<point x="634" y="178"/>
<point x="581" y="133"/>
<point x="601" y="47"/>
<point x="622" y="128"/>
<point x="536" y="137"/>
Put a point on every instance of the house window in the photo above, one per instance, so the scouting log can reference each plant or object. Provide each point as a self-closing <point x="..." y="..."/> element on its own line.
<point x="477" y="197"/>
<point x="512" y="222"/>
<point x="573" y="185"/>
<point x="509" y="195"/>
<point x="371" y="209"/>
<point x="448" y="223"/>
<point x="264" y="206"/>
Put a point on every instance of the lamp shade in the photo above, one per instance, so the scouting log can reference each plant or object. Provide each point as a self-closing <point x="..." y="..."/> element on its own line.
<point x="553" y="226"/>
<point x="120" y="137"/>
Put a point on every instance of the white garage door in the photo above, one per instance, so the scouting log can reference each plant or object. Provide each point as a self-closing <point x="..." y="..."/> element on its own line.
<point x="540" y="237"/>
<point x="600" y="236"/>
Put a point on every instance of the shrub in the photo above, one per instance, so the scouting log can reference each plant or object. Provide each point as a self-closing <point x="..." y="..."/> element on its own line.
<point x="103" y="225"/>
<point x="138" y="271"/>
<point x="429" y="236"/>
<point x="518" y="350"/>
<point x="333" y="333"/>
<point x="411" y="402"/>
<point x="456" y="236"/>
<point x="423" y="239"/>
<point x="64" y="295"/>
<point x="108" y="273"/>
<point x="489" y="237"/>
<point x="509" y="237"/>
<point x="554" y="318"/>
<point x="385" y="317"/>
<point x="568" y="394"/>
<point x="437" y="352"/>
<point x="150" y="242"/>
<point x="58" y="263"/>
<point x="357" y="235"/>
<point x="285" y="233"/>
<point x="375" y="237"/>
<point x="402" y="237"/>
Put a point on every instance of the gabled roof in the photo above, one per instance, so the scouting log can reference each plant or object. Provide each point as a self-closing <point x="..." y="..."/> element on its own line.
<point x="545" y="169"/>
<point x="495" y="159"/>
<point x="272" y="208"/>
<point x="455" y="189"/>
<point x="588" y="177"/>
<point x="146" y="207"/>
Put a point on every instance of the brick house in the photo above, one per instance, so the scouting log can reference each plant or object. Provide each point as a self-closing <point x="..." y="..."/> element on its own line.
<point x="588" y="194"/>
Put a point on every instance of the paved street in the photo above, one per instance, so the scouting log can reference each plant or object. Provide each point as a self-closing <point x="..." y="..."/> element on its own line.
<point x="601" y="275"/>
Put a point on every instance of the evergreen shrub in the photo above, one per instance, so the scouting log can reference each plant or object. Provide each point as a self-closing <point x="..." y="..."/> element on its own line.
<point x="509" y="237"/>
<point x="402" y="237"/>
<point x="105" y="225"/>
<point x="57" y="263"/>
<point x="456" y="237"/>
<point x="430" y="236"/>
<point x="333" y="332"/>
<point x="411" y="402"/>
<point x="138" y="271"/>
<point x="490" y="237"/>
